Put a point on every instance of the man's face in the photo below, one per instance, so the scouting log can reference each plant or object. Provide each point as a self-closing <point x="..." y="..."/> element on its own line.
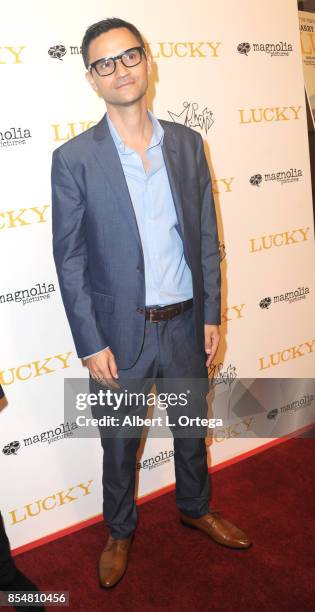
<point x="125" y="86"/>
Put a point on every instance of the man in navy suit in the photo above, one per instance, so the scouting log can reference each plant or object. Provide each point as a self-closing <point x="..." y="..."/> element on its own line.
<point x="137" y="255"/>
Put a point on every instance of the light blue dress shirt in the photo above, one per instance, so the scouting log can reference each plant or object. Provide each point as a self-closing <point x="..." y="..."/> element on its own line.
<point x="168" y="278"/>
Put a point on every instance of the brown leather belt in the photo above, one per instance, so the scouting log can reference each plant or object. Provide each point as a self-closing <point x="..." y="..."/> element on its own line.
<point x="163" y="313"/>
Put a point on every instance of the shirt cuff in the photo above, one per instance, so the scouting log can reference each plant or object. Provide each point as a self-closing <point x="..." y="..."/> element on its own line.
<point x="98" y="352"/>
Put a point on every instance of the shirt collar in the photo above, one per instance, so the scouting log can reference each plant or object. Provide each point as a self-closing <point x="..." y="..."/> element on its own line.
<point x="157" y="136"/>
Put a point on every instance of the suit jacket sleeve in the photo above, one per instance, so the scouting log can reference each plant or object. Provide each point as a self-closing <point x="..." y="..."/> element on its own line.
<point x="210" y="253"/>
<point x="71" y="258"/>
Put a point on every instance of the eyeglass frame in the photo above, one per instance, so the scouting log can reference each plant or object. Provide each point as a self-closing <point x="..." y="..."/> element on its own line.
<point x="141" y="49"/>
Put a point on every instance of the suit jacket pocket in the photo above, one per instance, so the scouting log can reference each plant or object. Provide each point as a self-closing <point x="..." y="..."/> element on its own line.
<point x="103" y="301"/>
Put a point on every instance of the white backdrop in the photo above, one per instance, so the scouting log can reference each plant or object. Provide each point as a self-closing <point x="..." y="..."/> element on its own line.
<point x="231" y="71"/>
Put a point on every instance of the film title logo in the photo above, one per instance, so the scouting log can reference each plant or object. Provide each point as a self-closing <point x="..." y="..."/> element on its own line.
<point x="233" y="312"/>
<point x="23" y="216"/>
<point x="35" y="369"/>
<point x="269" y="114"/>
<point x="55" y="500"/>
<point x="223" y="185"/>
<point x="287" y="354"/>
<point x="183" y="49"/>
<point x="238" y="429"/>
<point x="63" y="132"/>
<point x="288" y="238"/>
<point x="11" y="55"/>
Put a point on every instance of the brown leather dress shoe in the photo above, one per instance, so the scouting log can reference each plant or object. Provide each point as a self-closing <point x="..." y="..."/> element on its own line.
<point x="219" y="529"/>
<point x="113" y="561"/>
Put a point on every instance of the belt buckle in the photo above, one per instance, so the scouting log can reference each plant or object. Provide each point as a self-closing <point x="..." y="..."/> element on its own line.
<point x="151" y="315"/>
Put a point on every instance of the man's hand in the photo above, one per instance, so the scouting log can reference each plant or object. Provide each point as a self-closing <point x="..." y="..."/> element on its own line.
<point x="212" y="339"/>
<point x="103" y="368"/>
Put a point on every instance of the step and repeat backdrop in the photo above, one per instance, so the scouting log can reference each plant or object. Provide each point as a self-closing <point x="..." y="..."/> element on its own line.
<point x="233" y="72"/>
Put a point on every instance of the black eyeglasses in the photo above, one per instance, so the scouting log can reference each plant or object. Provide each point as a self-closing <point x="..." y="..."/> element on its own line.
<point x="107" y="65"/>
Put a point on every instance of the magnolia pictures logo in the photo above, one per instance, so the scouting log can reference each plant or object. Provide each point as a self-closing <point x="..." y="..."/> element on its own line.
<point x="289" y="297"/>
<point x="256" y="180"/>
<point x="63" y="430"/>
<point x="192" y="116"/>
<point x="11" y="448"/>
<point x="303" y="402"/>
<point x="160" y="459"/>
<point x="277" y="49"/>
<point x="58" y="52"/>
<point x="37" y="293"/>
<point x="265" y="302"/>
<point x="283" y="177"/>
<point x="14" y="136"/>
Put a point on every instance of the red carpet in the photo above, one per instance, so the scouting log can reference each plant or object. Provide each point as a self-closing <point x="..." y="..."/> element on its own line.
<point x="269" y="495"/>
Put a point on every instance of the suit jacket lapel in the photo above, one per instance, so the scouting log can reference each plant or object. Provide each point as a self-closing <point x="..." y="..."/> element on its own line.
<point x="108" y="158"/>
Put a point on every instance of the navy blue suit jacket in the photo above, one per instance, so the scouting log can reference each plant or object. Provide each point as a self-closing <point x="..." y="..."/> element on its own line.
<point x="97" y="247"/>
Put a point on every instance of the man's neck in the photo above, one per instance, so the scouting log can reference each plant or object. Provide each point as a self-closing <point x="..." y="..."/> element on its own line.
<point x="133" y="125"/>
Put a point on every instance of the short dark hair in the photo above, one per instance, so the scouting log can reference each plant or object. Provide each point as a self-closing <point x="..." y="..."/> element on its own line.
<point x="105" y="26"/>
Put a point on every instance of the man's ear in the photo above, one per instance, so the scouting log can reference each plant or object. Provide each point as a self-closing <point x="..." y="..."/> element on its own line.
<point x="91" y="81"/>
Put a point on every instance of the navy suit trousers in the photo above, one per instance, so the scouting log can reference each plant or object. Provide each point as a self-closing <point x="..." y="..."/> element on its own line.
<point x="168" y="352"/>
